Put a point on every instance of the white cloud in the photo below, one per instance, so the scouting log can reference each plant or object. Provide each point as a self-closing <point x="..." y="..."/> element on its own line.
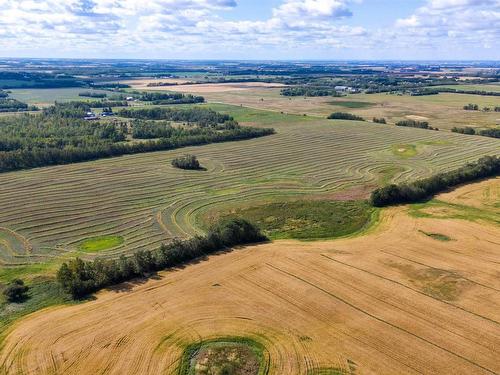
<point x="161" y="27"/>
<point x="467" y="22"/>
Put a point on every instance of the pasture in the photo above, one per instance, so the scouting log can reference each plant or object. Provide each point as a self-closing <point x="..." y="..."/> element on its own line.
<point x="47" y="213"/>
<point x="394" y="301"/>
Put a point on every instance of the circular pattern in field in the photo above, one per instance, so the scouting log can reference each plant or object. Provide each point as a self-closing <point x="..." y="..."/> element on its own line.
<point x="146" y="201"/>
<point x="394" y="301"/>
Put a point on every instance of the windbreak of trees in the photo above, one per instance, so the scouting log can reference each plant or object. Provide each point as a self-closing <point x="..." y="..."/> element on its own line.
<point x="345" y="116"/>
<point x="80" y="278"/>
<point x="379" y="120"/>
<point x="488" y="166"/>
<point x="415" y="124"/>
<point x="159" y="98"/>
<point x="60" y="135"/>
<point x="470" y="92"/>
<point x="309" y="91"/>
<point x="492" y="133"/>
<point x="201" y="116"/>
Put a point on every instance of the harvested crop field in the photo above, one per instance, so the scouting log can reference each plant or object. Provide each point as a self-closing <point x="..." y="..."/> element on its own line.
<point x="395" y="301"/>
<point x="47" y="213"/>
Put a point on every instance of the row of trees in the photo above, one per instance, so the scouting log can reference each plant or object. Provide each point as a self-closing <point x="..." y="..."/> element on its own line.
<point x="309" y="91"/>
<point x="493" y="133"/>
<point x="488" y="166"/>
<point x="415" y="124"/>
<point x="379" y="120"/>
<point x="80" y="278"/>
<point x="475" y="107"/>
<point x="162" y="98"/>
<point x="345" y="116"/>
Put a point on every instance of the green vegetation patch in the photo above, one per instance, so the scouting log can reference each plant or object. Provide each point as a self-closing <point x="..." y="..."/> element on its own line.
<point x="404" y="150"/>
<point x="308" y="220"/>
<point x="443" y="210"/>
<point x="225" y="356"/>
<point x="95" y="244"/>
<point x="43" y="292"/>
<point x="437" y="236"/>
<point x="351" y="104"/>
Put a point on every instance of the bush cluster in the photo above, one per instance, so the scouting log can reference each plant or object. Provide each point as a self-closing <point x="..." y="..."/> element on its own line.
<point x="15" y="291"/>
<point x="186" y="162"/>
<point x="419" y="190"/>
<point x="79" y="277"/>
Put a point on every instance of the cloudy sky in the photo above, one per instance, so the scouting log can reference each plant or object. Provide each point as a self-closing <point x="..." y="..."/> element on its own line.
<point x="251" y="29"/>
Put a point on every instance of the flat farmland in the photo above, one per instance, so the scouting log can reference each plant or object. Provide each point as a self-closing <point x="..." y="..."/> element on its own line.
<point x="46" y="97"/>
<point x="399" y="300"/>
<point x="48" y="213"/>
<point x="443" y="111"/>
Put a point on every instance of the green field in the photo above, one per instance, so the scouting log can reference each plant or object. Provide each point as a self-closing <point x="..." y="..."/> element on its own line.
<point x="49" y="96"/>
<point x="47" y="213"/>
<point x="305" y="220"/>
<point x="96" y="244"/>
<point x="351" y="104"/>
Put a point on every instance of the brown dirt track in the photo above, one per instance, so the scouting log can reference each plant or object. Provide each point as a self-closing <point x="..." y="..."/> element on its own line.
<point x="394" y="301"/>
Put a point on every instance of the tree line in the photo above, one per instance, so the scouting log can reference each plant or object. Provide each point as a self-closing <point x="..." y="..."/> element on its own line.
<point x="492" y="133"/>
<point x="415" y="124"/>
<point x="488" y="166"/>
<point x="309" y="91"/>
<point x="345" y="116"/>
<point x="80" y="278"/>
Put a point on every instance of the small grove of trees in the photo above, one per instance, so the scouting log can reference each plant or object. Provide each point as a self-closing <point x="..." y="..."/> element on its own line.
<point x="415" y="124"/>
<point x="488" y="166"/>
<point x="379" y="120"/>
<point x="345" y="116"/>
<point x="471" y="107"/>
<point x="16" y="291"/>
<point x="80" y="278"/>
<point x="492" y="133"/>
<point x="189" y="162"/>
<point x="309" y="91"/>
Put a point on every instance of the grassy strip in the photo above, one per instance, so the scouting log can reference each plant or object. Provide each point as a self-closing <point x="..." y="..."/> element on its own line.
<point x="96" y="244"/>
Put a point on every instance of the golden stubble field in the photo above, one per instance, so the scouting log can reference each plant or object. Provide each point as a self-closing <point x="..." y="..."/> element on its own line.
<point x="395" y="301"/>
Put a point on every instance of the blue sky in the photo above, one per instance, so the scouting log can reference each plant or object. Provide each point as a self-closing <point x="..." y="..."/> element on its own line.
<point x="251" y="29"/>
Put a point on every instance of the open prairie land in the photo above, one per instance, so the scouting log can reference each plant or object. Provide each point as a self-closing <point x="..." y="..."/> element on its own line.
<point x="443" y="111"/>
<point x="47" y="97"/>
<point x="418" y="294"/>
<point x="120" y="205"/>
